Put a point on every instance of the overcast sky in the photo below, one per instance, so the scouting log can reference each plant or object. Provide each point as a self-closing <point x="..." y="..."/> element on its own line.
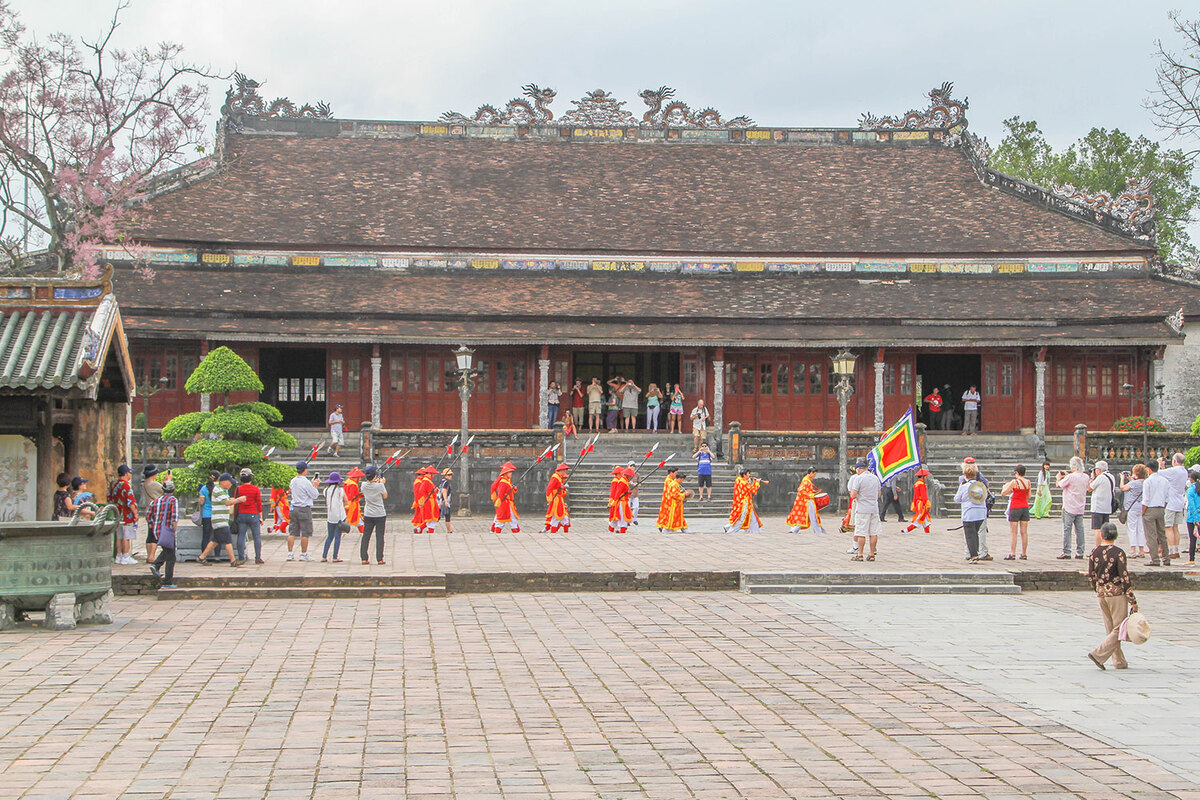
<point x="1069" y="64"/>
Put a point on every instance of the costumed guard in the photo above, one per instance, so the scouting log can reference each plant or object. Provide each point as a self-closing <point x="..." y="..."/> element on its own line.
<point x="281" y="508"/>
<point x="743" y="516"/>
<point x="557" y="517"/>
<point x="424" y="504"/>
<point x="504" y="496"/>
<point x="804" y="514"/>
<point x="619" y="513"/>
<point x="670" y="512"/>
<point x="920" y="503"/>
<point x="354" y="517"/>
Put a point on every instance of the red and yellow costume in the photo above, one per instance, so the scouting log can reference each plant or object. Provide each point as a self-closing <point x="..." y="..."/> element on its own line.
<point x="920" y="504"/>
<point x="670" y="512"/>
<point x="557" y="517"/>
<point x="804" y="514"/>
<point x="619" y="512"/>
<point x="425" y="506"/>
<point x="281" y="507"/>
<point x="743" y="516"/>
<point x="354" y="517"/>
<point x="504" y="496"/>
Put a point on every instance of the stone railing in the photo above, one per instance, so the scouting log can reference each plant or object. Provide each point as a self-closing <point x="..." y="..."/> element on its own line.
<point x="1122" y="449"/>
<point x="149" y="446"/>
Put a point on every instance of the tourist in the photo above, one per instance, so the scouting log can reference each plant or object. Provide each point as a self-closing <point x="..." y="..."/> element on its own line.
<point x="704" y="460"/>
<point x="619" y="512"/>
<point x="374" y="492"/>
<point x="984" y="554"/>
<point x="595" y="396"/>
<point x="804" y="515"/>
<point x="64" y="507"/>
<point x="1176" y="514"/>
<point x="570" y="431"/>
<point x="557" y="517"/>
<point x="553" y="399"/>
<point x="1043" y="499"/>
<point x="303" y="491"/>
<point x="699" y="418"/>
<point x="249" y="517"/>
<point x="864" y="490"/>
<point x="120" y="494"/>
<point x="654" y="398"/>
<point x="578" y="401"/>
<point x="1017" y="491"/>
<point x="151" y="491"/>
<point x="1108" y="573"/>
<point x="675" y="411"/>
<point x="1131" y="486"/>
<point x="743" y="516"/>
<point x="222" y="507"/>
<point x="1155" y="492"/>
<point x="445" y="492"/>
<point x="335" y="516"/>
<point x="504" y="499"/>
<point x="1193" y="516"/>
<point x="890" y="496"/>
<point x="206" y="508"/>
<point x="670" y="509"/>
<point x="920" y="507"/>
<point x="1074" y="487"/>
<point x="933" y="401"/>
<point x="1104" y="492"/>
<point x="337" y="437"/>
<point x="972" y="498"/>
<point x="971" y="400"/>
<point x="163" y="519"/>
<point x="630" y="392"/>
<point x="80" y="496"/>
<point x="612" y="410"/>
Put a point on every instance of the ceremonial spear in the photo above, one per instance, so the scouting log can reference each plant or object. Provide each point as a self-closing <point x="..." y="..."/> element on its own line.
<point x="588" y="446"/>
<point x="548" y="451"/>
<point x="392" y="460"/>
<point x="449" y="451"/>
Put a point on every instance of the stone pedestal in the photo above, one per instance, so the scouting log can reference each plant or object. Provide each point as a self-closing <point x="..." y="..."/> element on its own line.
<point x="60" y="612"/>
<point x="187" y="545"/>
<point x="95" y="612"/>
<point x="8" y="616"/>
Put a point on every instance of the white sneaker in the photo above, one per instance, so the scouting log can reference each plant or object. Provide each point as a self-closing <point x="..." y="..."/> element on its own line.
<point x="127" y="559"/>
<point x="291" y="556"/>
<point x="305" y="557"/>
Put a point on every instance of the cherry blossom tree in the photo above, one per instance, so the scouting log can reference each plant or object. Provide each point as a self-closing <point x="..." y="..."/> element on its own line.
<point x="85" y="127"/>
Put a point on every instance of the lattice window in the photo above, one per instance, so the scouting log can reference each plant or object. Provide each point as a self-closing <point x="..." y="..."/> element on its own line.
<point x="518" y="375"/>
<point x="1006" y="380"/>
<point x="1106" y="381"/>
<point x="337" y="371"/>
<point x="396" y="373"/>
<point x="765" y="382"/>
<point x="781" y="378"/>
<point x="1093" y="380"/>
<point x="353" y="374"/>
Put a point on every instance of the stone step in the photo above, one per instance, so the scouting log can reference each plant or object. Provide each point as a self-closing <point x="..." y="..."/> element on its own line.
<point x="297" y="592"/>
<point x="250" y="578"/>
<point x="876" y="578"/>
<point x="894" y="588"/>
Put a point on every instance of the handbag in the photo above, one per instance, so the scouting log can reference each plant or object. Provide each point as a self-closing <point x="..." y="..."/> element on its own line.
<point x="1123" y="516"/>
<point x="196" y="517"/>
<point x="343" y="526"/>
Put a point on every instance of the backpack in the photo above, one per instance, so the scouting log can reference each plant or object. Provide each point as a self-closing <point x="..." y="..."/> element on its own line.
<point x="1116" y="495"/>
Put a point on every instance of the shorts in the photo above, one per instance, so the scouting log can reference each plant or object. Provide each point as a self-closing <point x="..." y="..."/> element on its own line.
<point x="222" y="535"/>
<point x="1174" y="518"/>
<point x="300" y="521"/>
<point x="150" y="537"/>
<point x="338" y="438"/>
<point x="1098" y="520"/>
<point x="129" y="532"/>
<point x="705" y="480"/>
<point x="445" y="513"/>
<point x="1018" y="514"/>
<point x="595" y="408"/>
<point x="867" y="524"/>
<point x="699" y="427"/>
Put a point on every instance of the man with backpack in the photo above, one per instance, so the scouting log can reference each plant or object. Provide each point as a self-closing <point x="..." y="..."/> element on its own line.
<point x="1103" y="487"/>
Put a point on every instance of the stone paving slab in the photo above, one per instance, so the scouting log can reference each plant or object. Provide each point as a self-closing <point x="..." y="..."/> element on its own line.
<point x="651" y="695"/>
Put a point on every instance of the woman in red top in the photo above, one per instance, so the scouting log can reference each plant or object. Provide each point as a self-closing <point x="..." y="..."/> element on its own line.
<point x="249" y="515"/>
<point x="1018" y="511"/>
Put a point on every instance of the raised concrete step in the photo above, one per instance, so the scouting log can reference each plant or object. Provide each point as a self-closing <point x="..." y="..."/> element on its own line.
<point x="878" y="583"/>
<point x="248" y="586"/>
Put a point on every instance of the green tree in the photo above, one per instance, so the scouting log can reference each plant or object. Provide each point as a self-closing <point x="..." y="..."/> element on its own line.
<point x="232" y="436"/>
<point x="1102" y="161"/>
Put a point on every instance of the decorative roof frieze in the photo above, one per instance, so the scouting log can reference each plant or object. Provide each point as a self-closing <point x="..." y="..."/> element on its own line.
<point x="943" y="113"/>
<point x="243" y="98"/>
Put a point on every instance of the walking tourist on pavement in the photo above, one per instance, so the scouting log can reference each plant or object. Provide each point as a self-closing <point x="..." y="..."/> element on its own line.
<point x="675" y="411"/>
<point x="864" y="490"/>
<point x="1043" y="499"/>
<point x="1155" y="492"/>
<point x="595" y="398"/>
<point x="933" y="401"/>
<point x="374" y="492"/>
<point x="163" y="519"/>
<point x="553" y="398"/>
<point x="337" y="437"/>
<point x="249" y="517"/>
<point x="890" y="496"/>
<point x="445" y="491"/>
<point x="920" y="507"/>
<point x="972" y="498"/>
<point x="578" y="403"/>
<point x="120" y="494"/>
<point x="630" y="394"/>
<point x="971" y="400"/>
<point x="1176" y="515"/>
<point x="206" y="508"/>
<point x="654" y="400"/>
<point x="1193" y="516"/>
<point x="1108" y="573"/>
<point x="303" y="491"/>
<point x="335" y="516"/>
<point x="1103" y="487"/>
<point x="805" y="515"/>
<point x="699" y="417"/>
<point x="704" y="473"/>
<point x="223" y="506"/>
<point x="1131" y="486"/>
<point x="151" y="490"/>
<point x="670" y="509"/>
<point x="1074" y="487"/>
<point x="1017" y="491"/>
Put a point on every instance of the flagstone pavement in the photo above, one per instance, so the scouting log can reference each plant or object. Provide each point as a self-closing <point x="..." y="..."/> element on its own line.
<point x="614" y="695"/>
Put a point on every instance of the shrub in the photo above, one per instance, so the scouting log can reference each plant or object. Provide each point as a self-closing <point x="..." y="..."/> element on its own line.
<point x="1135" y="424"/>
<point x="139" y="421"/>
<point x="1191" y="457"/>
<point x="184" y="427"/>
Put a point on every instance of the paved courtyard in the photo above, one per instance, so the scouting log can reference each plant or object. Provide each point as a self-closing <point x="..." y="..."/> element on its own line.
<point x="622" y="695"/>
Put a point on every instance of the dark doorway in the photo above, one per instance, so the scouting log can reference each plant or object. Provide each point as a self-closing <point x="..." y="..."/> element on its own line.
<point x="294" y="382"/>
<point x="645" y="368"/>
<point x="953" y="374"/>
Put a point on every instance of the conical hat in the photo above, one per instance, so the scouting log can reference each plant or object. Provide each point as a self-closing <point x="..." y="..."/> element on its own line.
<point x="562" y="466"/>
<point x="507" y="466"/>
<point x="618" y="470"/>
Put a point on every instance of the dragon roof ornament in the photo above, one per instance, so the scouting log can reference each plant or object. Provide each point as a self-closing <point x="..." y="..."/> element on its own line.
<point x="598" y="108"/>
<point x="1134" y="206"/>
<point x="243" y="98"/>
<point x="943" y="114"/>
<point x="1175" y="321"/>
<point x="516" y="111"/>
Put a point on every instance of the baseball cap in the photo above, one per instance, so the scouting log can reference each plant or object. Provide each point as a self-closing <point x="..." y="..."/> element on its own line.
<point x="225" y="476"/>
<point x="301" y="466"/>
<point x="860" y="464"/>
<point x="245" y="473"/>
<point x="124" y="469"/>
<point x="168" y="487"/>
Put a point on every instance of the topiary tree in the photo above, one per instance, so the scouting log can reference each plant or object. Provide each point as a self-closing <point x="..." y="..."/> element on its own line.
<point x="232" y="436"/>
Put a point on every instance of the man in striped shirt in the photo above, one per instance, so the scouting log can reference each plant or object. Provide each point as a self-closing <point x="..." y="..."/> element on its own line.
<point x="222" y="503"/>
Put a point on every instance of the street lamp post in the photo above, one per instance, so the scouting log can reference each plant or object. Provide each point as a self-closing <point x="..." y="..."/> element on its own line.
<point x="843" y="370"/>
<point x="1145" y="395"/>
<point x="148" y="390"/>
<point x="466" y="382"/>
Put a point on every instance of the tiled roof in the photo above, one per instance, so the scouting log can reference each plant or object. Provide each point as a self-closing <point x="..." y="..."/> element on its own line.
<point x="41" y="349"/>
<point x="441" y="194"/>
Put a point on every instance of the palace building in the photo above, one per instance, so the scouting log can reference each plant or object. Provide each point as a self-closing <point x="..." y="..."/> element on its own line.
<point x="346" y="259"/>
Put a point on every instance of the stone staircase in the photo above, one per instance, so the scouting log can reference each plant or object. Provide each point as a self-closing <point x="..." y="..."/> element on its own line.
<point x="878" y="583"/>
<point x="996" y="454"/>
<point x="589" y="484"/>
<point x="271" y="587"/>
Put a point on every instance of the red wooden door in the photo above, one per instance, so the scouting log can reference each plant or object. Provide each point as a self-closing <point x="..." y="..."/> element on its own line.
<point x="899" y="391"/>
<point x="348" y="382"/>
<point x="1086" y="387"/>
<point x="1001" y="405"/>
<point x="403" y="400"/>
<point x="788" y="390"/>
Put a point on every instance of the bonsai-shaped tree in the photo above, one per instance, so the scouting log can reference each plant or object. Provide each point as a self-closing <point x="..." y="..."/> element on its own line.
<point x="232" y="436"/>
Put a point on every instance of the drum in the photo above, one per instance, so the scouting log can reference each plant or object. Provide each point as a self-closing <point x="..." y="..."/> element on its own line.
<point x="821" y="500"/>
